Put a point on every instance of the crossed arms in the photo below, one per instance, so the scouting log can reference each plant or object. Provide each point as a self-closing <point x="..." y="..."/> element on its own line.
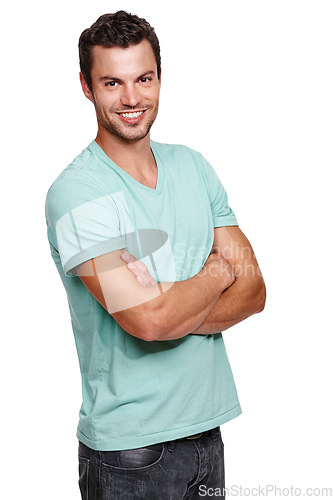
<point x="227" y="290"/>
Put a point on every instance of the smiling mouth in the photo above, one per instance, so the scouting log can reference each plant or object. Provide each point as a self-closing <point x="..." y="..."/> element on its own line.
<point x="131" y="115"/>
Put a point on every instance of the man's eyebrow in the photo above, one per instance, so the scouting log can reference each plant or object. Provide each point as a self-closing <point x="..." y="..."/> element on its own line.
<point x="113" y="78"/>
<point x="103" y="78"/>
<point x="148" y="73"/>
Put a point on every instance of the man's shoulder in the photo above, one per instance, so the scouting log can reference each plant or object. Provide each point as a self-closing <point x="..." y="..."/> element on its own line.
<point x="75" y="185"/>
<point x="74" y="169"/>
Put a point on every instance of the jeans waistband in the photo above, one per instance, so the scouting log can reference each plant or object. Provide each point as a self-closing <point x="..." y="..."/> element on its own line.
<point x="210" y="432"/>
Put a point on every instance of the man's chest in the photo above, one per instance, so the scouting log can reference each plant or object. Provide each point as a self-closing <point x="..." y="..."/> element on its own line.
<point x="172" y="233"/>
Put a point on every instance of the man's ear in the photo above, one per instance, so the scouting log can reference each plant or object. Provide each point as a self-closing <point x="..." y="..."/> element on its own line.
<point x="86" y="89"/>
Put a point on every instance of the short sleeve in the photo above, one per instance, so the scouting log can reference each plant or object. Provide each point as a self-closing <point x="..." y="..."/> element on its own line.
<point x="84" y="223"/>
<point x="222" y="214"/>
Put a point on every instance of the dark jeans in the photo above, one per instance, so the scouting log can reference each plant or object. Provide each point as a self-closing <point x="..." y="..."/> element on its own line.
<point x="173" y="470"/>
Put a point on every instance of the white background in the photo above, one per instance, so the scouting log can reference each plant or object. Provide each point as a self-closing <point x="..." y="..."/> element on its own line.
<point x="249" y="84"/>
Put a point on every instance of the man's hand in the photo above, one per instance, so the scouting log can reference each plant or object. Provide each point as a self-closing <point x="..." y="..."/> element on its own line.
<point x="138" y="269"/>
<point x="216" y="263"/>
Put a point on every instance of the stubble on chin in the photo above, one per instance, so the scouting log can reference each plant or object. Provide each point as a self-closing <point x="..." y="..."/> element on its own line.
<point x="129" y="132"/>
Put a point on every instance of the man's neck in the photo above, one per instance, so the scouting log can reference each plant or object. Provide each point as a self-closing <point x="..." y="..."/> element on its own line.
<point x="134" y="157"/>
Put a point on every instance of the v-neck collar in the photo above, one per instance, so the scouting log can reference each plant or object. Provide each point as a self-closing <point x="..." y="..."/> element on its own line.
<point x="160" y="169"/>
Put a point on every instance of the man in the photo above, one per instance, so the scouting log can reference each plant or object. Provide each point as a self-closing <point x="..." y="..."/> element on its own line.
<point x="138" y="231"/>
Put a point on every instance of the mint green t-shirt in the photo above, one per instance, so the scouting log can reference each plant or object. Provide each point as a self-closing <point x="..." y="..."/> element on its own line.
<point x="137" y="393"/>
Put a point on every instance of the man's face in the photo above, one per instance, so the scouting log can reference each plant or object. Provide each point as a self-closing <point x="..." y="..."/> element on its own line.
<point x="125" y="89"/>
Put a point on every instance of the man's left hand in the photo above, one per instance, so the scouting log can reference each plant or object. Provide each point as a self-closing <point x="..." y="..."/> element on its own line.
<point x="139" y="269"/>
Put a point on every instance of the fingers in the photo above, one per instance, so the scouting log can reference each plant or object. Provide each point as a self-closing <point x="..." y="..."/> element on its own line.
<point x="127" y="257"/>
<point x="146" y="280"/>
<point x="141" y="272"/>
<point x="139" y="269"/>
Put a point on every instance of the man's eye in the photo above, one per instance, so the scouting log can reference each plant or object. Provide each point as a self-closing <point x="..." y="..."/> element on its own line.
<point x="111" y="84"/>
<point x="145" y="79"/>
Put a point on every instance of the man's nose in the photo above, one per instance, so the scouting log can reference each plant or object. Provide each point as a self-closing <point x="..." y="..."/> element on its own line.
<point x="130" y="95"/>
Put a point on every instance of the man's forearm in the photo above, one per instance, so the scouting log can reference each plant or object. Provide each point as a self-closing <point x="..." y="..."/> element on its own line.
<point x="159" y="311"/>
<point x="186" y="304"/>
<point x="245" y="297"/>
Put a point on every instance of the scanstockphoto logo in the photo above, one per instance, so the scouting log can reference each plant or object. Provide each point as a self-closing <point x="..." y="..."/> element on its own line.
<point x="268" y="490"/>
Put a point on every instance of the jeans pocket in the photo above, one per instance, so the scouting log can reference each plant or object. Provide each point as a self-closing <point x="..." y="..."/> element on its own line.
<point x="83" y="477"/>
<point x="138" y="458"/>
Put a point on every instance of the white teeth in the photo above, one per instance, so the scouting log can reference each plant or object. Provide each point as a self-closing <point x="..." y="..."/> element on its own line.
<point x="131" y="115"/>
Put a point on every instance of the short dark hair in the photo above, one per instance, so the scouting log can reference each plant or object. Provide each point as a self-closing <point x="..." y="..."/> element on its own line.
<point x="120" y="29"/>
